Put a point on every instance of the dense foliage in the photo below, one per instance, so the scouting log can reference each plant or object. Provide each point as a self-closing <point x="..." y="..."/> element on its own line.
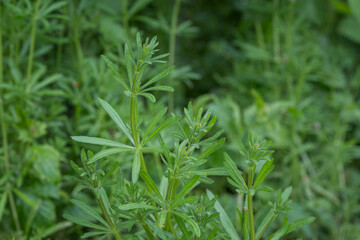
<point x="138" y="166"/>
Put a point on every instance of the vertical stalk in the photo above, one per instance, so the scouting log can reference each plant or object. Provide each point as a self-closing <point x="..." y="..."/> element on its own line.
<point x="106" y="215"/>
<point x="125" y="14"/>
<point x="250" y="205"/>
<point x="32" y="45"/>
<point x="133" y="121"/>
<point x="172" y="47"/>
<point x="4" y="133"/>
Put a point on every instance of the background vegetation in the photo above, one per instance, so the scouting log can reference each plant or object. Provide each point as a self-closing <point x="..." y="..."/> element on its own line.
<point x="285" y="70"/>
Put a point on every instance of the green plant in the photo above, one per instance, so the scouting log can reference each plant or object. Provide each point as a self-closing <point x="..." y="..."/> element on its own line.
<point x="160" y="211"/>
<point x="257" y="155"/>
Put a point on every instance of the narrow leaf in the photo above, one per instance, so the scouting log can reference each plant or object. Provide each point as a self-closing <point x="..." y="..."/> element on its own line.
<point x="100" y="141"/>
<point x="116" y="118"/>
<point x="168" y="122"/>
<point x="89" y="210"/>
<point x="211" y="149"/>
<point x="224" y="218"/>
<point x="108" y="152"/>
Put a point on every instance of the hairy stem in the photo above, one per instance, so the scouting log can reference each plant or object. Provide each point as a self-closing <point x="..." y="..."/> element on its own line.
<point x="32" y="45"/>
<point x="172" y="46"/>
<point x="250" y="205"/>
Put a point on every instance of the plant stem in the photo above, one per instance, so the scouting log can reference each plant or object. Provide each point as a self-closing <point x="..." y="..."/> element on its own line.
<point x="133" y="121"/>
<point x="32" y="45"/>
<point x="172" y="47"/>
<point x="250" y="205"/>
<point x="106" y="215"/>
<point x="4" y="134"/>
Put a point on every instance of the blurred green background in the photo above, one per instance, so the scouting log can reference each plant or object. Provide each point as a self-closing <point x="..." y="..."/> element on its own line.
<point x="285" y="70"/>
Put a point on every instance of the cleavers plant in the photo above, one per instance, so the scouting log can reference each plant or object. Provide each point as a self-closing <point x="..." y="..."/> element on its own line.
<point x="257" y="155"/>
<point x="138" y="208"/>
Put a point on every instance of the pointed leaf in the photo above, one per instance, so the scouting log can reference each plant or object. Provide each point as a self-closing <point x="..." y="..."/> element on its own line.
<point x="224" y="218"/>
<point x="89" y="210"/>
<point x="149" y="182"/>
<point x="185" y="190"/>
<point x="115" y="72"/>
<point x="158" y="77"/>
<point x="107" y="152"/>
<point x="136" y="167"/>
<point x="116" y="118"/>
<point x="190" y="221"/>
<point x="168" y="122"/>
<point x="211" y="149"/>
<point x="99" y="141"/>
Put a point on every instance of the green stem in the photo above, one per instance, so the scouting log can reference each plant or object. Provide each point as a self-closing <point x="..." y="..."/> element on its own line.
<point x="250" y="205"/>
<point x="170" y="195"/>
<point x="4" y="134"/>
<point x="32" y="45"/>
<point x="125" y="14"/>
<point x="146" y="227"/>
<point x="172" y="47"/>
<point x="13" y="208"/>
<point x="106" y="215"/>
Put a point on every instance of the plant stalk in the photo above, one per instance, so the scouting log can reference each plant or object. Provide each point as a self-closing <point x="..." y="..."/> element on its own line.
<point x="250" y="205"/>
<point x="106" y="215"/>
<point x="4" y="135"/>
<point x="172" y="47"/>
<point x="32" y="45"/>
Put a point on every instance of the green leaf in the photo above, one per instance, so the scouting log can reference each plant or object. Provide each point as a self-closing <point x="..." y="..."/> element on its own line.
<point x="149" y="182"/>
<point x="25" y="198"/>
<point x="182" y="226"/>
<point x="92" y="234"/>
<point x="155" y="120"/>
<point x="89" y="210"/>
<point x="54" y="228"/>
<point x="299" y="223"/>
<point x="187" y="200"/>
<point x="267" y="220"/>
<point x="100" y="141"/>
<point x="185" y="190"/>
<point x="265" y="170"/>
<point x="132" y="206"/>
<point x="129" y="62"/>
<point x="158" y="231"/>
<point x="161" y="75"/>
<point x="107" y="152"/>
<point x="224" y="218"/>
<point x="286" y="194"/>
<point x="83" y="222"/>
<point x="265" y="189"/>
<point x="116" y="118"/>
<point x="115" y="72"/>
<point x="191" y="222"/>
<point x="159" y="88"/>
<point x="211" y="149"/>
<point x="108" y="174"/>
<point x="136" y="167"/>
<point x="148" y="96"/>
<point x="234" y="172"/>
<point x="281" y="232"/>
<point x="168" y="122"/>
<point x="218" y="171"/>
<point x="46" y="163"/>
<point x="137" y="6"/>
